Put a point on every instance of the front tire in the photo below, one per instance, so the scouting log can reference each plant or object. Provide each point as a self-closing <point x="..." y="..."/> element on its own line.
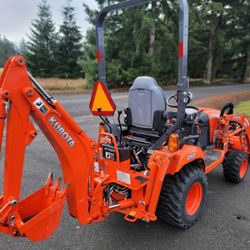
<point x="235" y="166"/>
<point x="183" y="197"/>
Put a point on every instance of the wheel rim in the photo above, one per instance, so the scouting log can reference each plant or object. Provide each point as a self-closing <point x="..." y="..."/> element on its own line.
<point x="194" y="198"/>
<point x="243" y="168"/>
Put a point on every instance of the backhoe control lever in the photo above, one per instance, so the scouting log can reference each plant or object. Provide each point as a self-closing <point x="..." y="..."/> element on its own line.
<point x="229" y="107"/>
<point x="119" y="122"/>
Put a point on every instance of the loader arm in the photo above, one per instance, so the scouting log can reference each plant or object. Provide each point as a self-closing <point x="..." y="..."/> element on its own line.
<point x="20" y="101"/>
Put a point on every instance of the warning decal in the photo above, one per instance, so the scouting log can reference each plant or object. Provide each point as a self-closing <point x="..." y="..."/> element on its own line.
<point x="39" y="104"/>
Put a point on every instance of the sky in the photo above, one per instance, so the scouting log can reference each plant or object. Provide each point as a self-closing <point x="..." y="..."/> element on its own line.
<point x="16" y="16"/>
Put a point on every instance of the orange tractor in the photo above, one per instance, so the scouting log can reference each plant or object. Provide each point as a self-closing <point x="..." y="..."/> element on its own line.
<point x="152" y="165"/>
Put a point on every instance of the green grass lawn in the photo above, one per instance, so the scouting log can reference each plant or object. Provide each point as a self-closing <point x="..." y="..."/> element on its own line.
<point x="243" y="108"/>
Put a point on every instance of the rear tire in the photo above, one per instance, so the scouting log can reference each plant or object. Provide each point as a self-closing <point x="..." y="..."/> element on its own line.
<point x="183" y="197"/>
<point x="235" y="166"/>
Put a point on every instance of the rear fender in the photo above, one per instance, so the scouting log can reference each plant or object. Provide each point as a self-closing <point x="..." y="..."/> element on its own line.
<point x="183" y="157"/>
<point x="170" y="163"/>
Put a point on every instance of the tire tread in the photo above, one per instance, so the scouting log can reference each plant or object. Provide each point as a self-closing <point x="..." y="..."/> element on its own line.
<point x="231" y="165"/>
<point x="170" y="202"/>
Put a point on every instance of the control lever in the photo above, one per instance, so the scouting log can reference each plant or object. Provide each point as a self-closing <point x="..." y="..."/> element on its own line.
<point x="106" y="121"/>
<point x="196" y="121"/>
<point x="119" y="122"/>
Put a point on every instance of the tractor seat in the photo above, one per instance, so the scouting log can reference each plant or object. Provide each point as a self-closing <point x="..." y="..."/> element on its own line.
<point x="146" y="105"/>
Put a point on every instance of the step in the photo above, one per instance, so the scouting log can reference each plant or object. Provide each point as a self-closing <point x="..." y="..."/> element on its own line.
<point x="213" y="158"/>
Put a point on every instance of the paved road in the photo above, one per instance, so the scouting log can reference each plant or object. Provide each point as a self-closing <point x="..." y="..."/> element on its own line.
<point x="225" y="223"/>
<point x="77" y="105"/>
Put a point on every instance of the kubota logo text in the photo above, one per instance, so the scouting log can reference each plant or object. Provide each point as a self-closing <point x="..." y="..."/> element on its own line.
<point x="61" y="131"/>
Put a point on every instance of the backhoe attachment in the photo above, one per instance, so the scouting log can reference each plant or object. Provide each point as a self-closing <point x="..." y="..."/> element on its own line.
<point x="37" y="216"/>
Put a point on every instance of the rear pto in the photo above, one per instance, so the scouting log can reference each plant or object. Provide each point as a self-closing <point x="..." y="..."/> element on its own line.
<point x="153" y="165"/>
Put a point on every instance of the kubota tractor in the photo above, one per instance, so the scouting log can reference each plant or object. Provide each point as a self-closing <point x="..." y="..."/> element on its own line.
<point x="152" y="165"/>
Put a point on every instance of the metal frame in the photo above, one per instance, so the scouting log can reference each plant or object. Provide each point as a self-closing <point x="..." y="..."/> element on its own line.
<point x="183" y="55"/>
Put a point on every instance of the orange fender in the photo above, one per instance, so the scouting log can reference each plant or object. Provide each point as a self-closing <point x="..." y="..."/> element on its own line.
<point x="167" y="162"/>
<point x="182" y="157"/>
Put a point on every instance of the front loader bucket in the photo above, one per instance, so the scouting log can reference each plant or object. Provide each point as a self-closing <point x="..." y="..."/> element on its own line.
<point x="38" y="215"/>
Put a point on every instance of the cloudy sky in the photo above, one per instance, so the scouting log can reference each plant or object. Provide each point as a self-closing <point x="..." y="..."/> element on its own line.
<point x="16" y="16"/>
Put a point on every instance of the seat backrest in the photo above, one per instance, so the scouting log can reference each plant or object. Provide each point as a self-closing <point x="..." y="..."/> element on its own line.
<point x="145" y="97"/>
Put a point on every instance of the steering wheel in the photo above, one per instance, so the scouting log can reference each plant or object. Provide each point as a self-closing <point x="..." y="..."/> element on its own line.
<point x="188" y="97"/>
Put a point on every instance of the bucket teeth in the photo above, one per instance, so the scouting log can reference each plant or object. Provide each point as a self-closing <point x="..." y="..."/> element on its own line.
<point x="48" y="183"/>
<point x="57" y="184"/>
<point x="63" y="191"/>
<point x="53" y="190"/>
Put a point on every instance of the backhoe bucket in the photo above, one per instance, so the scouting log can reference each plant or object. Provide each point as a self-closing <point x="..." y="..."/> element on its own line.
<point x="38" y="215"/>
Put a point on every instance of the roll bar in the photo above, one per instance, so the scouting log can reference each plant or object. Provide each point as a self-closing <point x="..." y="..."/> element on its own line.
<point x="182" y="54"/>
<point x="183" y="36"/>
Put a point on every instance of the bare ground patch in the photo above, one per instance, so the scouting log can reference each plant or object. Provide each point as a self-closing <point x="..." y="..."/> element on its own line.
<point x="62" y="84"/>
<point x="219" y="100"/>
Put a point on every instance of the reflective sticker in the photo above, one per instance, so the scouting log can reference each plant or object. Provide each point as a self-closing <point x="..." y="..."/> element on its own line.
<point x="237" y="117"/>
<point x="96" y="167"/>
<point x="123" y="177"/>
<point x="181" y="50"/>
<point x="132" y="213"/>
<point x="214" y="116"/>
<point x="191" y="156"/>
<point x="246" y="123"/>
<point x="39" y="104"/>
<point x="98" y="55"/>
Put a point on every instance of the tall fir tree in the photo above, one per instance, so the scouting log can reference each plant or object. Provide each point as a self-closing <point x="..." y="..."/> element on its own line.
<point x="42" y="43"/>
<point x="69" y="46"/>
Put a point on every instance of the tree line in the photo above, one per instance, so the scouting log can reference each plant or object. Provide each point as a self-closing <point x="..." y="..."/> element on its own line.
<point x="7" y="48"/>
<point x="143" y="41"/>
<point x="52" y="53"/>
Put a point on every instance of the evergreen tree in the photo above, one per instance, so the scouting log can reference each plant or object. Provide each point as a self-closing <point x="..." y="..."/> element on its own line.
<point x="144" y="41"/>
<point x="238" y="37"/>
<point x="7" y="49"/>
<point x="23" y="49"/>
<point x="69" y="47"/>
<point x="42" y="43"/>
<point x="130" y="45"/>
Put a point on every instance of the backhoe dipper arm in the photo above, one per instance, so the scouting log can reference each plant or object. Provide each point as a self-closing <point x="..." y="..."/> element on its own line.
<point x="36" y="215"/>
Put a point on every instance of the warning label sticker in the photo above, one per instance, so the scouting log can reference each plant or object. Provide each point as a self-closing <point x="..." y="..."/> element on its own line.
<point x="96" y="167"/>
<point x="39" y="104"/>
<point x="123" y="177"/>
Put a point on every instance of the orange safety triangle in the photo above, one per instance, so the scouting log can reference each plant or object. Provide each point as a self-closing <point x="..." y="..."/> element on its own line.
<point x="102" y="100"/>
